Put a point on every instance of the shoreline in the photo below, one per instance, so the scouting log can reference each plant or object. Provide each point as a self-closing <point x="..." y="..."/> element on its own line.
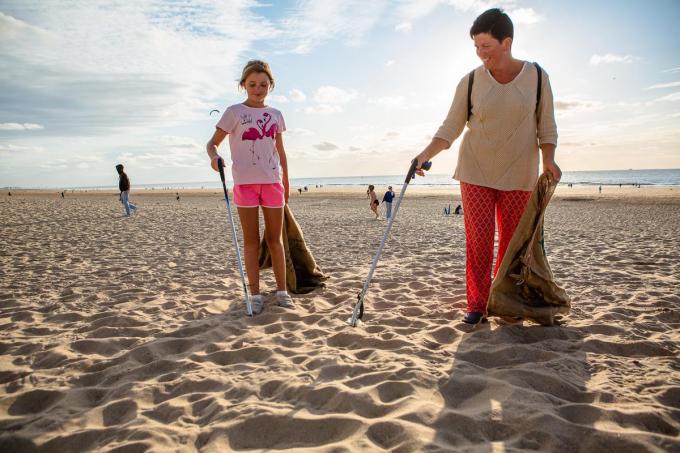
<point x="564" y="193"/>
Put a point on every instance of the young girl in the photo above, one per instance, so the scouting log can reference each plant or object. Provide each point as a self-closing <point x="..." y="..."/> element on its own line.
<point x="260" y="173"/>
<point x="370" y="193"/>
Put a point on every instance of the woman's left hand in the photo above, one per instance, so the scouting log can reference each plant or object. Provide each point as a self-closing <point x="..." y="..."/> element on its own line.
<point x="286" y="190"/>
<point x="553" y="168"/>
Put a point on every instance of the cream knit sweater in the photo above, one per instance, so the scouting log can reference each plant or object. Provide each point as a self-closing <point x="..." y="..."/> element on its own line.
<point x="500" y="147"/>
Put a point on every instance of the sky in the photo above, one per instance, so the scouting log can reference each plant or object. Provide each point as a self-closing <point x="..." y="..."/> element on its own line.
<point x="363" y="86"/>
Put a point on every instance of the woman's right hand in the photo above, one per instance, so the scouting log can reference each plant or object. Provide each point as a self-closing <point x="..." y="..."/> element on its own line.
<point x="436" y="146"/>
<point x="422" y="158"/>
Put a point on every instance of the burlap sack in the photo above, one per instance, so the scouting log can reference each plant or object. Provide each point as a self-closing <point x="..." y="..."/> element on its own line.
<point x="303" y="275"/>
<point x="524" y="286"/>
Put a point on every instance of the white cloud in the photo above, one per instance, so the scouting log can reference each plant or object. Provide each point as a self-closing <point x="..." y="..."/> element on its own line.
<point x="389" y="101"/>
<point x="179" y="143"/>
<point x="611" y="58"/>
<point x="577" y="105"/>
<point x="664" y="85"/>
<point x="410" y="10"/>
<point x="389" y="63"/>
<point x="9" y="147"/>
<point x="299" y="132"/>
<point x="525" y="16"/>
<point x="20" y="126"/>
<point x="326" y="146"/>
<point x="108" y="64"/>
<point x="334" y="95"/>
<point x="297" y="95"/>
<point x="671" y="97"/>
<point x="313" y="22"/>
<point x="55" y="164"/>
<point x="330" y="99"/>
<point x="404" y="27"/>
<point x="278" y="98"/>
<point x="323" y="109"/>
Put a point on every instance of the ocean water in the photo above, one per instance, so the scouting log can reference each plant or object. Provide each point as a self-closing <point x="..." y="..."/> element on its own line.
<point x="661" y="178"/>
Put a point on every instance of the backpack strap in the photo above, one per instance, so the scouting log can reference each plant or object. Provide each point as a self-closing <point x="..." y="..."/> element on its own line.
<point x="538" y="86"/>
<point x="471" y="79"/>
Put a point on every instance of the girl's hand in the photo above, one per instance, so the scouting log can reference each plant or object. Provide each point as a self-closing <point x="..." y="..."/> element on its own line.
<point x="286" y="190"/>
<point x="213" y="162"/>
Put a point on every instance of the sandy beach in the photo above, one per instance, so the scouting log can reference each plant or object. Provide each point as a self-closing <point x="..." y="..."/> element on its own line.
<point x="130" y="335"/>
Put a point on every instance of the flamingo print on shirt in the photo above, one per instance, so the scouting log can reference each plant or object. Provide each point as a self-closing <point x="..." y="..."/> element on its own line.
<point x="252" y="134"/>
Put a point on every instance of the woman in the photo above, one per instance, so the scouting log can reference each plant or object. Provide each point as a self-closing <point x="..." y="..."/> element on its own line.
<point x="498" y="156"/>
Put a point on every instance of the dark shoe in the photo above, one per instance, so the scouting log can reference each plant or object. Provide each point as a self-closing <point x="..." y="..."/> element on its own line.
<point x="474" y="317"/>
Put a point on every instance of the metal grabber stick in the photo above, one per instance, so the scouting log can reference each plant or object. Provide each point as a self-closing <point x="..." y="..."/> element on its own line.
<point x="220" y="166"/>
<point x="358" y="311"/>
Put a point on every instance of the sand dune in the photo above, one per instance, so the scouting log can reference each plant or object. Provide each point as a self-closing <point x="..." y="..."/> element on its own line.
<point x="129" y="335"/>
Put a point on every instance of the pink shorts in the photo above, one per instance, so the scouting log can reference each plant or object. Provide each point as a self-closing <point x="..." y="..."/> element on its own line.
<point x="254" y="195"/>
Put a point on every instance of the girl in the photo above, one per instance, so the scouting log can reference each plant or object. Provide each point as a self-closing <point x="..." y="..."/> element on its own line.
<point x="260" y="173"/>
<point x="370" y="193"/>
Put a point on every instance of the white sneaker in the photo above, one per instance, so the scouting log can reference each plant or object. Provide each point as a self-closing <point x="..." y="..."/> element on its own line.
<point x="257" y="304"/>
<point x="284" y="300"/>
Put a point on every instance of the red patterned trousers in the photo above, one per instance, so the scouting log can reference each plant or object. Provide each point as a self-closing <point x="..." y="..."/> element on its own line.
<point x="480" y="205"/>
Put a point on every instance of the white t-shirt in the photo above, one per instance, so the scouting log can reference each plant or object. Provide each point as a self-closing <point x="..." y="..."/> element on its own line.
<point x="252" y="141"/>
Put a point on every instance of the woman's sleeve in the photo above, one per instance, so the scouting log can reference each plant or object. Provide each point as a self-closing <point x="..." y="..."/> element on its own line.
<point x="547" y="128"/>
<point x="455" y="121"/>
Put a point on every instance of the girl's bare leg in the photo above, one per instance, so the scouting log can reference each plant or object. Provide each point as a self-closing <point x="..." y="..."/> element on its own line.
<point x="251" y="243"/>
<point x="273" y="227"/>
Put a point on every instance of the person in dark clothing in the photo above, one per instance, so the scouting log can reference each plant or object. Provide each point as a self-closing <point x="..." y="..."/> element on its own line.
<point x="387" y="199"/>
<point x="459" y="210"/>
<point x="124" y="187"/>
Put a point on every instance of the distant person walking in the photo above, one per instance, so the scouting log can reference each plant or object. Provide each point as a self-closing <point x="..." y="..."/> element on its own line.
<point x="373" y="203"/>
<point x="387" y="200"/>
<point x="459" y="210"/>
<point x="124" y="187"/>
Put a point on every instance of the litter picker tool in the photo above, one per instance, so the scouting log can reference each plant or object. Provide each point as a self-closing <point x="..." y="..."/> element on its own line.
<point x="220" y="166"/>
<point x="358" y="311"/>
